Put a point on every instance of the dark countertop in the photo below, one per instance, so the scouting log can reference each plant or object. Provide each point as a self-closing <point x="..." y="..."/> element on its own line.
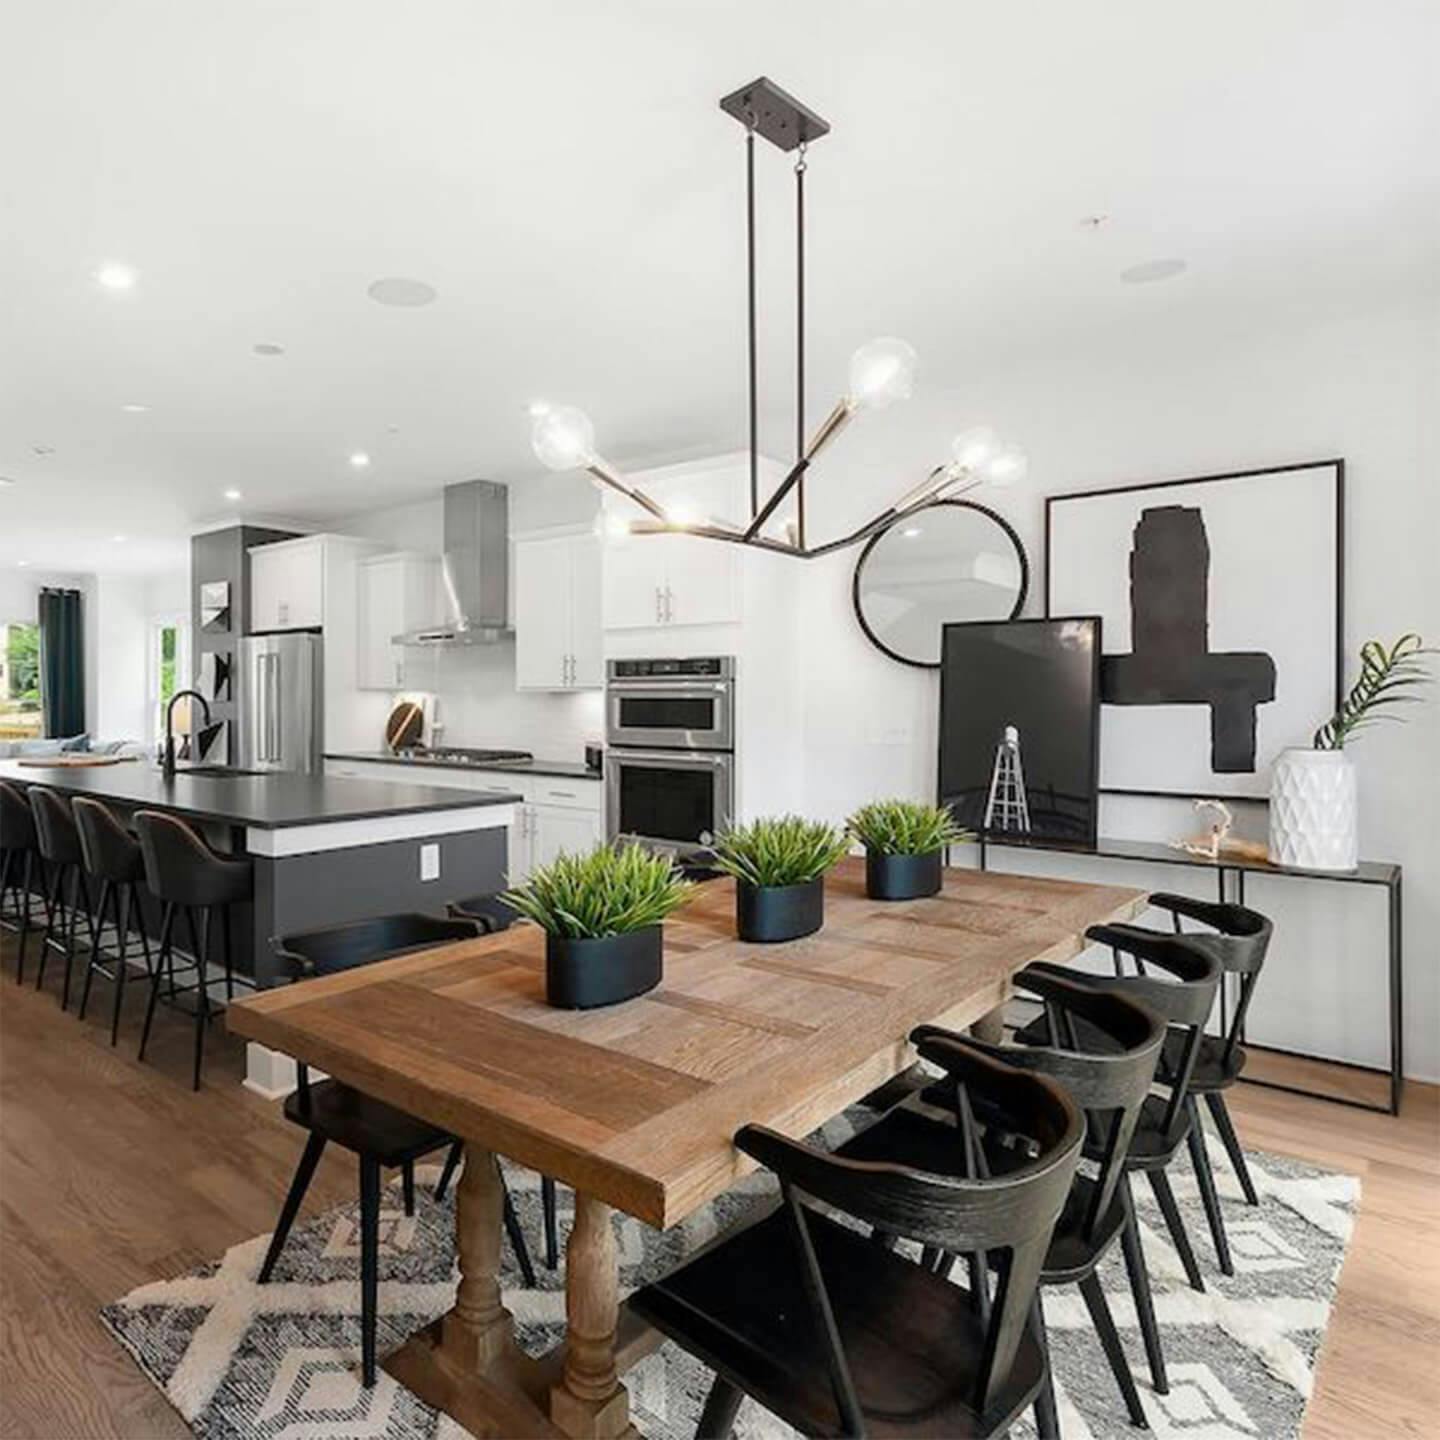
<point x="566" y="769"/>
<point x="266" y="802"/>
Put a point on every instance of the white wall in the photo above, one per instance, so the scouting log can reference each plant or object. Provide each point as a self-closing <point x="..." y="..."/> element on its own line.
<point x="1362" y="385"/>
<point x="479" y="704"/>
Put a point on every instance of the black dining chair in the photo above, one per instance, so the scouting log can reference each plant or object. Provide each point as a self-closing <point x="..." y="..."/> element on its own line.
<point x="21" y="865"/>
<point x="67" y="897"/>
<point x="1182" y="994"/>
<point x="838" y="1335"/>
<point x="939" y="1131"/>
<point x="112" y="856"/>
<point x="379" y="1135"/>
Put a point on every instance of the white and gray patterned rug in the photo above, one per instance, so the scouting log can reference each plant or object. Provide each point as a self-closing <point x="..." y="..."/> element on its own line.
<point x="240" y="1361"/>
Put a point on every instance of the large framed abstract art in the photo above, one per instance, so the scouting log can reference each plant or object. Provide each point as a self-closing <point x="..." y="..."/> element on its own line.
<point x="1222" y="607"/>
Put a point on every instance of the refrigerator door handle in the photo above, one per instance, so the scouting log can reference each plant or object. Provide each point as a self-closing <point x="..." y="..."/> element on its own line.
<point x="270" y="711"/>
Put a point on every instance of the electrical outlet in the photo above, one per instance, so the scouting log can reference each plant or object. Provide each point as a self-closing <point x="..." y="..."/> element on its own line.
<point x="430" y="861"/>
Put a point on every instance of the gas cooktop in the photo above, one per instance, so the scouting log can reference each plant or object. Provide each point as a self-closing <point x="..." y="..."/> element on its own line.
<point x="459" y="755"/>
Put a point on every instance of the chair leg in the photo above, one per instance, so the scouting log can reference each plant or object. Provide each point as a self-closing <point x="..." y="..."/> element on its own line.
<point x="52" y="906"/>
<point x="1200" y="1158"/>
<point x="517" y="1236"/>
<point x="552" y="1229"/>
<point x="1140" y="1290"/>
<point x="407" y="1174"/>
<point x="124" y="899"/>
<point x="199" y="936"/>
<point x="79" y="891"/>
<point x="1047" y="1415"/>
<point x="1220" y="1113"/>
<point x="1165" y="1199"/>
<point x="452" y="1162"/>
<point x="722" y="1404"/>
<point x="26" y="876"/>
<point x="294" y="1198"/>
<point x="167" y="935"/>
<point x="369" y="1263"/>
<point x="106" y="889"/>
<point x="1094" y="1296"/>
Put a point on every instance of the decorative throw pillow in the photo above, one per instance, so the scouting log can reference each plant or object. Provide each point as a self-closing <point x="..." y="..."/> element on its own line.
<point x="76" y="744"/>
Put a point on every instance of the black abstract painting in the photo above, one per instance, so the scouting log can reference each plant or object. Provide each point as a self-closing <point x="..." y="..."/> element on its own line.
<point x="1221" y="605"/>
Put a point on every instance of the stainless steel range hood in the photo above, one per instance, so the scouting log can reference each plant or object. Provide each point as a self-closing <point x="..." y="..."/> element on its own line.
<point x="474" y="569"/>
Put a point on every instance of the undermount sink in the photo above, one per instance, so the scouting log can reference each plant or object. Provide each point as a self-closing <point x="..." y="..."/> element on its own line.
<point x="220" y="772"/>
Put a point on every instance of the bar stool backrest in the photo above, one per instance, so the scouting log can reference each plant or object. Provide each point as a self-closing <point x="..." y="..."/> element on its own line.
<point x="17" y="820"/>
<point x="108" y="848"/>
<point x="1013" y="1214"/>
<point x="55" y="825"/>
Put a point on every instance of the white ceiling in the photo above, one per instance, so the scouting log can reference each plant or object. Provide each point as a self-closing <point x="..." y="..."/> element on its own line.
<point x="561" y="173"/>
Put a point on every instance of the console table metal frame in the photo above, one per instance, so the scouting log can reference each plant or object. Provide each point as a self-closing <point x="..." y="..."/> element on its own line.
<point x="1369" y="872"/>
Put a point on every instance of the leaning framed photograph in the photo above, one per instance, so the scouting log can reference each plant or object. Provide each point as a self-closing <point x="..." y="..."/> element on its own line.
<point x="1222" y="603"/>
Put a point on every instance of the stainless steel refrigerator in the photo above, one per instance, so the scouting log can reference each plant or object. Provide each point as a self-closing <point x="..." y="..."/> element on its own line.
<point x="281" y="702"/>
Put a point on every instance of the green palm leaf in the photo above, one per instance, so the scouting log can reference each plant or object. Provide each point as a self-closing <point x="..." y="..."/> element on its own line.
<point x="1387" y="677"/>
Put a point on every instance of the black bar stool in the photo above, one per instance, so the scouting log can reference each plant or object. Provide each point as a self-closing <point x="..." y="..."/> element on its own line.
<point x="185" y="874"/>
<point x="20" y="862"/>
<point x="379" y="1135"/>
<point x="60" y="848"/>
<point x="112" y="856"/>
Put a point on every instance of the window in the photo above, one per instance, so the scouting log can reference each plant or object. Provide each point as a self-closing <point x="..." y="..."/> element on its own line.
<point x="169" y="664"/>
<point x="20" y="717"/>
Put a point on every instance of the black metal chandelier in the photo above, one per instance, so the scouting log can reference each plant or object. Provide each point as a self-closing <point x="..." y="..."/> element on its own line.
<point x="881" y="372"/>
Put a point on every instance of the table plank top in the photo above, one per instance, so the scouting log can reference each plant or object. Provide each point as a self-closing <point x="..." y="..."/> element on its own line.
<point x="636" y="1103"/>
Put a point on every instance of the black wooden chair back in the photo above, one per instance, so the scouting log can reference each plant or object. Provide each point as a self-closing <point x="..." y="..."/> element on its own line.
<point x="17" y="820"/>
<point x="1013" y="1215"/>
<point x="333" y="948"/>
<point x="1240" y="938"/>
<point x="1102" y="1050"/>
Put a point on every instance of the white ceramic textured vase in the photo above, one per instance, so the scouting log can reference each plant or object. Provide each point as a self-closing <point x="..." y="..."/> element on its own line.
<point x="1312" y="811"/>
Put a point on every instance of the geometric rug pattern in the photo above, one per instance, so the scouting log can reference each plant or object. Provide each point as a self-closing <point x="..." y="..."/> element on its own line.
<point x="242" y="1361"/>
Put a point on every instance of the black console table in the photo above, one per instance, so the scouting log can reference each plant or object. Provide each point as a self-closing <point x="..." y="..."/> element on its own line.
<point x="1234" y="869"/>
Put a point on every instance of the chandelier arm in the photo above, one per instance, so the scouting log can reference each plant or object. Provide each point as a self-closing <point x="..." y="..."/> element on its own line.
<point x="713" y="532"/>
<point x="800" y="339"/>
<point x="885" y="519"/>
<point x="601" y="471"/>
<point x="781" y="491"/>
<point x="750" y="291"/>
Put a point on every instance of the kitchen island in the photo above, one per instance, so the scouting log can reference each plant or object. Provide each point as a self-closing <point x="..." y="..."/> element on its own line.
<point x="325" y="850"/>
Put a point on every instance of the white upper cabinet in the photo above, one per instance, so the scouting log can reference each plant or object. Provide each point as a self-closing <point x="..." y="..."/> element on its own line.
<point x="287" y="585"/>
<point x="657" y="581"/>
<point x="557" y="613"/>
<point x="396" y="593"/>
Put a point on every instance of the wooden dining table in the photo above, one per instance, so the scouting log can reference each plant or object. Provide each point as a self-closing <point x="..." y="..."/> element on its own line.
<point x="634" y="1105"/>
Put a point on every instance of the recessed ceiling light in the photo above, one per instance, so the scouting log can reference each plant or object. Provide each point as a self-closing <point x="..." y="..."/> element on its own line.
<point x="1093" y="222"/>
<point x="233" y="495"/>
<point x="539" y="408"/>
<point x="1151" y="271"/>
<point x="117" y="539"/>
<point x="115" y="277"/>
<point x="23" y="564"/>
<point x="134" y="409"/>
<point x="359" y="459"/>
<point x="397" y="290"/>
<point x="267" y="349"/>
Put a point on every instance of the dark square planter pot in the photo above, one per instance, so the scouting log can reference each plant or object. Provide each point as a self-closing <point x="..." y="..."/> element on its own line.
<point x="768" y="914"/>
<point x="902" y="877"/>
<point x="581" y="974"/>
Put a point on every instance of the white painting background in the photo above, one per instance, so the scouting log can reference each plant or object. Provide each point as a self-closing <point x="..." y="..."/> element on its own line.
<point x="1272" y="588"/>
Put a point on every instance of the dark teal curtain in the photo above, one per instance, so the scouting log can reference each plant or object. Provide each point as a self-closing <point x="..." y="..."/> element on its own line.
<point x="62" y="662"/>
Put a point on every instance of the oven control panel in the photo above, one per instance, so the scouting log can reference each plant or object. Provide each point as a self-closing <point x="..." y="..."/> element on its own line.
<point x="720" y="667"/>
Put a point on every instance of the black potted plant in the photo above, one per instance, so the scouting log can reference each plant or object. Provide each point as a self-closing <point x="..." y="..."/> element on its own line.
<point x="904" y="844"/>
<point x="602" y="914"/>
<point x="779" y="866"/>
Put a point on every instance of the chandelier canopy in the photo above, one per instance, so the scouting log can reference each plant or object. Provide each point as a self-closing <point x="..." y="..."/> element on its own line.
<point x="881" y="372"/>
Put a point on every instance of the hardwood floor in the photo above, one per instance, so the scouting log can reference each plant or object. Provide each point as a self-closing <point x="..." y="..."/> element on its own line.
<point x="112" y="1173"/>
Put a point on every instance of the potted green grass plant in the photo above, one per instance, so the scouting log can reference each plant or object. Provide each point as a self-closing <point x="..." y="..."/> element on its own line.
<point x="603" y="916"/>
<point x="779" y="865"/>
<point x="904" y="844"/>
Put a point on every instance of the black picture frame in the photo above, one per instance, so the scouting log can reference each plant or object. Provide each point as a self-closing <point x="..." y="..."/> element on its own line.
<point x="1010" y="533"/>
<point x="1089" y="785"/>
<point x="1336" y="466"/>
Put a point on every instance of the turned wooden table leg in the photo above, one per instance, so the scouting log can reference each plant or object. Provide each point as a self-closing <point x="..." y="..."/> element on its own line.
<point x="589" y="1402"/>
<point x="479" y="1330"/>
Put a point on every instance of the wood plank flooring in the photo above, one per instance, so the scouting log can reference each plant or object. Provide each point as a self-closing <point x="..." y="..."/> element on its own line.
<point x="113" y="1173"/>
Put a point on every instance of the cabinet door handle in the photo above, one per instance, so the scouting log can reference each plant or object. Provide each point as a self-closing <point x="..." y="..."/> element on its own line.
<point x="659" y="612"/>
<point x="282" y="612"/>
<point x="669" y="605"/>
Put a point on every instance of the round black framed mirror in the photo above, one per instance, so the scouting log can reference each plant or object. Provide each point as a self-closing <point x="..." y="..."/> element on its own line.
<point x="953" y="560"/>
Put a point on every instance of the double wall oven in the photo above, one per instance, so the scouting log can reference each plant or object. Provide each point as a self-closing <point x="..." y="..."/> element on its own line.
<point x="670" y="751"/>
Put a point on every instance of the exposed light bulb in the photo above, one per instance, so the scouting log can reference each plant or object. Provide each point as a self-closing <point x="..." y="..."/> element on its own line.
<point x="881" y="372"/>
<point x="1006" y="466"/>
<point x="975" y="447"/>
<point x="563" y="438"/>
